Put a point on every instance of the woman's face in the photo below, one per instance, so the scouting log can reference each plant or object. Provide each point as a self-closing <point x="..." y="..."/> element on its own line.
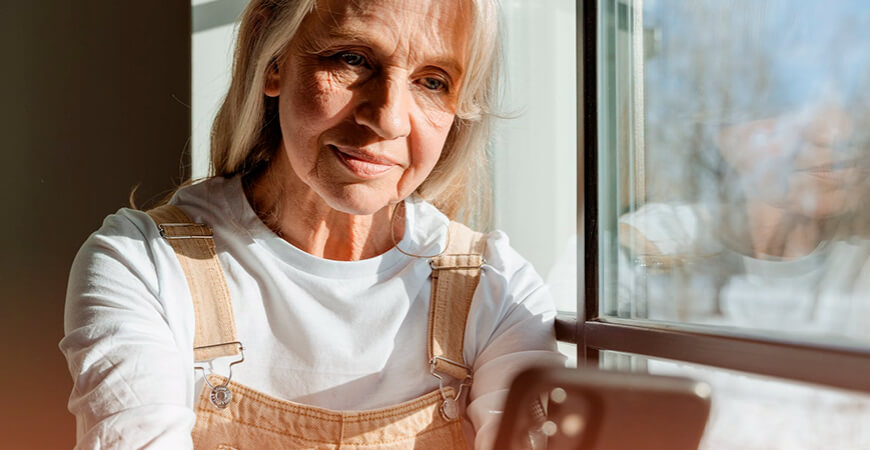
<point x="367" y="96"/>
<point x="804" y="162"/>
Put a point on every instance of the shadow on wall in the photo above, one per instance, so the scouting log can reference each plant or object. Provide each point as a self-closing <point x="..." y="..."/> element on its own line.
<point x="95" y="97"/>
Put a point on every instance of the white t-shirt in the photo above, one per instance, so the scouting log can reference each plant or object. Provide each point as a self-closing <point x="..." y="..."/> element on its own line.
<point x="334" y="334"/>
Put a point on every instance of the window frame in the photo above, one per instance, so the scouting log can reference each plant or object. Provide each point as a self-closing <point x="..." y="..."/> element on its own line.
<point x="791" y="359"/>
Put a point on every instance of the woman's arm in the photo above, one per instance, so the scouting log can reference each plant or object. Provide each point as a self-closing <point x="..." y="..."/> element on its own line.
<point x="132" y="384"/>
<point x="510" y="328"/>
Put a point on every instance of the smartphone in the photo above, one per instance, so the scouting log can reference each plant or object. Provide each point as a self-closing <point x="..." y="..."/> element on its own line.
<point x="593" y="409"/>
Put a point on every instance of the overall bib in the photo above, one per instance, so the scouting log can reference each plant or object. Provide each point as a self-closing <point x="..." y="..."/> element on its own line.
<point x="232" y="416"/>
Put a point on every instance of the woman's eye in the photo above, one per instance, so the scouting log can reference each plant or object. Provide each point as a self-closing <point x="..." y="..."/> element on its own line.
<point x="352" y="59"/>
<point x="433" y="84"/>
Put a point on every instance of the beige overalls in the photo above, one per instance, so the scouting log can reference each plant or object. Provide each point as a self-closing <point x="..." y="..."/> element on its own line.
<point x="233" y="416"/>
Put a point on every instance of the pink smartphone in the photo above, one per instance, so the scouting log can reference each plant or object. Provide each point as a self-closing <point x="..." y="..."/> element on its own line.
<point x="594" y="409"/>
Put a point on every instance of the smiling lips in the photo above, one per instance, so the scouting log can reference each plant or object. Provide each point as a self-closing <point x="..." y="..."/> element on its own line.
<point x="362" y="163"/>
<point x="841" y="173"/>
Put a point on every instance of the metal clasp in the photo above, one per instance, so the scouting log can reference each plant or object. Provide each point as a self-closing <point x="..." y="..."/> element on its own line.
<point x="163" y="226"/>
<point x="221" y="395"/>
<point x="434" y="266"/>
<point x="449" y="406"/>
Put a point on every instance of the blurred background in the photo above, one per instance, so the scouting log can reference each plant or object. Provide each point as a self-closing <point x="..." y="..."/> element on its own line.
<point x="734" y="168"/>
<point x="98" y="97"/>
<point x="94" y="100"/>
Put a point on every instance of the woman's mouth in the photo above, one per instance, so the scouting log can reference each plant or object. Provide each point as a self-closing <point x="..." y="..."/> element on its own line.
<point x="361" y="163"/>
<point x="838" y="172"/>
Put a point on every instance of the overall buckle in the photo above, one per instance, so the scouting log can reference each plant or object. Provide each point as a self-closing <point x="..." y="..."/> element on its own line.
<point x="165" y="234"/>
<point x="450" y="405"/>
<point x="221" y="395"/>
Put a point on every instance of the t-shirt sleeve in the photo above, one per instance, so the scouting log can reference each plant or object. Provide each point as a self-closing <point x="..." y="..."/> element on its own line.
<point x="510" y="329"/>
<point x="132" y="384"/>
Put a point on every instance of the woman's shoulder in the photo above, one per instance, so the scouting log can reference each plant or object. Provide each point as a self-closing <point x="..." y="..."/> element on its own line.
<point x="128" y="266"/>
<point x="128" y="240"/>
<point x="115" y="267"/>
<point x="134" y="224"/>
<point x="121" y="230"/>
<point x="124" y="244"/>
<point x="500" y="256"/>
<point x="129" y="225"/>
<point x="206" y="191"/>
<point x="509" y="280"/>
<point x="512" y="311"/>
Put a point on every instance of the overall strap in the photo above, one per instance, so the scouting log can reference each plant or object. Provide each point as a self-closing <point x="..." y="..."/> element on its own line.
<point x="455" y="274"/>
<point x="215" y="334"/>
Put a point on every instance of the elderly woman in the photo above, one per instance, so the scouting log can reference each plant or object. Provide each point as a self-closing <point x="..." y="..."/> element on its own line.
<point x="317" y="281"/>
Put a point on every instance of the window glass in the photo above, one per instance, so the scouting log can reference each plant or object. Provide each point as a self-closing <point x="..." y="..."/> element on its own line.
<point x="734" y="160"/>
<point x="755" y="412"/>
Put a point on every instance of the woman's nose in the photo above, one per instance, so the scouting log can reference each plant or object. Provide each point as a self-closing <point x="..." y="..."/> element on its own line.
<point x="385" y="108"/>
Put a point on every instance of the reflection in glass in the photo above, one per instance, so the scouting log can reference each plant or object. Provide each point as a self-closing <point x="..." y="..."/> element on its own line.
<point x="751" y="208"/>
<point x="755" y="412"/>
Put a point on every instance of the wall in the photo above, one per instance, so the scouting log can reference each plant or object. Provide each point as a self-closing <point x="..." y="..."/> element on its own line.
<point x="534" y="150"/>
<point x="93" y="100"/>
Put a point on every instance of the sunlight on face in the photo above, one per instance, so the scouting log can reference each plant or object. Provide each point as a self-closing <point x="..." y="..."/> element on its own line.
<point x="367" y="96"/>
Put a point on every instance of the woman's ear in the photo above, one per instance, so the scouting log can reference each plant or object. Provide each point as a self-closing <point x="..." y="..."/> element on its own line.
<point x="273" y="81"/>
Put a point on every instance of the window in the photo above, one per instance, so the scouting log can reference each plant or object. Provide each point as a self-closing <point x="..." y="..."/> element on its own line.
<point x="725" y="158"/>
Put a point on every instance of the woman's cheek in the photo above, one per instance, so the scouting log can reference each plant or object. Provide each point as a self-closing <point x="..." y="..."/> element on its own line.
<point x="322" y="93"/>
<point x="430" y="144"/>
<point x="437" y="107"/>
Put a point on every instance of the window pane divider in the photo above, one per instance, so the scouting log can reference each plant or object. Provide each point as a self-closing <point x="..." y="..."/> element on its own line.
<point x="837" y="366"/>
<point x="566" y="328"/>
<point x="587" y="171"/>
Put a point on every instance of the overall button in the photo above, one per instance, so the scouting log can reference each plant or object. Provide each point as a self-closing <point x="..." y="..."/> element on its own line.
<point x="221" y="396"/>
<point x="450" y="409"/>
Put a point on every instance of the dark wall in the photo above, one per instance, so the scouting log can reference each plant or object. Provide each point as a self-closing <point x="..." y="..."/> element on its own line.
<point x="94" y="100"/>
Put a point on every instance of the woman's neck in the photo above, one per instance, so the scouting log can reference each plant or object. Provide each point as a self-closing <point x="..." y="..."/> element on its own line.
<point x="300" y="216"/>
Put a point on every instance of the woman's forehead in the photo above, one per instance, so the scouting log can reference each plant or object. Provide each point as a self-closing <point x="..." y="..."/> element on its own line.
<point x="440" y="25"/>
<point x="426" y="9"/>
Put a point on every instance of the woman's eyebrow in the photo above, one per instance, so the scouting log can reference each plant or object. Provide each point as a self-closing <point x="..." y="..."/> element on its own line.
<point x="351" y="34"/>
<point x="325" y="38"/>
<point x="452" y="66"/>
